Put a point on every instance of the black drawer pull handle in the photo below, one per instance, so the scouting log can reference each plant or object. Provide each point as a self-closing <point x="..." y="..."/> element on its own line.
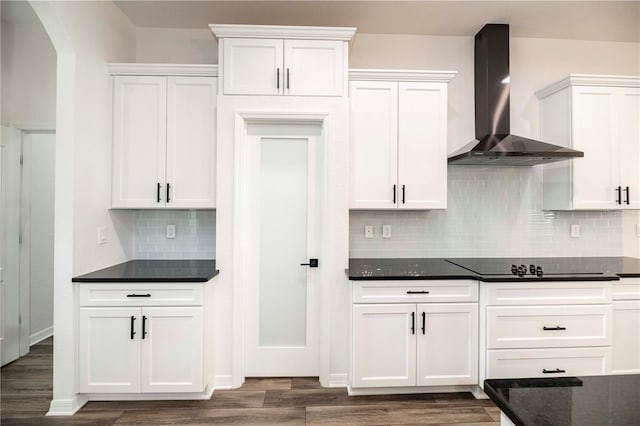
<point x="424" y="322"/>
<point x="556" y="371"/>
<point x="139" y="295"/>
<point x="626" y="190"/>
<point x="413" y="323"/>
<point x="619" y="191"/>
<point x="277" y="78"/>
<point x="554" y="328"/>
<point x="158" y="193"/>
<point x="144" y="326"/>
<point x="133" y="333"/>
<point x="403" y="194"/>
<point x="417" y="292"/>
<point x="168" y="189"/>
<point x="394" y="194"/>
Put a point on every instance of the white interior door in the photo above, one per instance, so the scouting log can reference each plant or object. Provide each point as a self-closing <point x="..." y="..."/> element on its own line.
<point x="282" y="324"/>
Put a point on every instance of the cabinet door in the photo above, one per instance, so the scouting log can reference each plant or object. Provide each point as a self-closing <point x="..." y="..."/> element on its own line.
<point x="172" y="343"/>
<point x="191" y="148"/>
<point x="252" y="66"/>
<point x="374" y="144"/>
<point x="422" y="142"/>
<point x="109" y="354"/>
<point x="384" y="345"/>
<point x="626" y="337"/>
<point x="628" y="140"/>
<point x="595" y="176"/>
<point x="314" y="67"/>
<point x="139" y="141"/>
<point x="447" y="344"/>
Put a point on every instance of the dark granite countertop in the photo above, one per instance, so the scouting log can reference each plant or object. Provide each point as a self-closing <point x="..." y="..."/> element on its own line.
<point x="144" y="271"/>
<point x="572" y="268"/>
<point x="594" y="400"/>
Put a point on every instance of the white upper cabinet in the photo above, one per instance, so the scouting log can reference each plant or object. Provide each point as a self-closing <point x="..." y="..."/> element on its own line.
<point x="398" y="140"/>
<point x="282" y="60"/>
<point x="599" y="116"/>
<point x="163" y="141"/>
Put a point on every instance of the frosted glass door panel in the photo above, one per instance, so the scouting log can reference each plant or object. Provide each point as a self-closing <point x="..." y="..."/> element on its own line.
<point x="283" y="242"/>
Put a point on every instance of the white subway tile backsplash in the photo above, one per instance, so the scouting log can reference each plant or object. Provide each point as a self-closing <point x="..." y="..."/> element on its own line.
<point x="195" y="234"/>
<point x="492" y="212"/>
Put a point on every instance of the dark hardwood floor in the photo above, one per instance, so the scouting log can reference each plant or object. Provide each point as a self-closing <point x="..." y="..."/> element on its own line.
<point x="26" y="393"/>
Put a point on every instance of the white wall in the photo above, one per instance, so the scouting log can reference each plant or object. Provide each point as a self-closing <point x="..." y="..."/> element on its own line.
<point x="28" y="76"/>
<point x="176" y="46"/>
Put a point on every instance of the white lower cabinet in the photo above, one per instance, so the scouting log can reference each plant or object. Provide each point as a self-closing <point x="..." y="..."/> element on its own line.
<point x="413" y="344"/>
<point x="140" y="349"/>
<point x="626" y="326"/>
<point x="546" y="329"/>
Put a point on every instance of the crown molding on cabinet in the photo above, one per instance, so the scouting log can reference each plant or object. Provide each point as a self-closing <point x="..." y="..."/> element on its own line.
<point x="401" y="75"/>
<point x="282" y="31"/>
<point x="589" y="80"/>
<point x="196" y="70"/>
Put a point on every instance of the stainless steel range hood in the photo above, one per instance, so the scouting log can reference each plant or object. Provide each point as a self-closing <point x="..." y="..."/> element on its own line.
<point x="494" y="144"/>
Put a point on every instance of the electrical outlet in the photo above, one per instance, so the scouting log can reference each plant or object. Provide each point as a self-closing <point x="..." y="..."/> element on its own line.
<point x="171" y="231"/>
<point x="386" y="231"/>
<point x="102" y="237"/>
<point x="575" y="231"/>
<point x="368" y="231"/>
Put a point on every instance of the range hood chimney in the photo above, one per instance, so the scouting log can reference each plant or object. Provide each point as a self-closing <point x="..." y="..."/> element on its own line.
<point x="494" y="143"/>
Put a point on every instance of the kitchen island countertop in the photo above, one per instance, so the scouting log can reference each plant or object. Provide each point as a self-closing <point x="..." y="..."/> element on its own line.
<point x="564" y="401"/>
<point x="144" y="271"/>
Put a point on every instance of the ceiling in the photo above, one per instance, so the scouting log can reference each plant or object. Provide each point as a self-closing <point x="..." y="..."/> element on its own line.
<point x="583" y="20"/>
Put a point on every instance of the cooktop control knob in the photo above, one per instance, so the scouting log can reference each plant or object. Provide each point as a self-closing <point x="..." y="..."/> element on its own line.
<point x="532" y="269"/>
<point x="539" y="272"/>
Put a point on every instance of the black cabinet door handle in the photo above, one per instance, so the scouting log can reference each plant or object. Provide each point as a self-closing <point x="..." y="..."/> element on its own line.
<point x="626" y="190"/>
<point x="556" y="371"/>
<point x="413" y="323"/>
<point x="417" y="292"/>
<point x="403" y="194"/>
<point x="277" y="78"/>
<point x="553" y="328"/>
<point x="394" y="194"/>
<point x="287" y="78"/>
<point x="619" y="191"/>
<point x="139" y="295"/>
<point x="168" y="189"/>
<point x="158" y="192"/>
<point x="424" y="322"/>
<point x="144" y="326"/>
<point x="133" y="333"/>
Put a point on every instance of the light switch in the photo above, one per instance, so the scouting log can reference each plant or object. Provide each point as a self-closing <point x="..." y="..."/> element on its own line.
<point x="102" y="237"/>
<point x="386" y="231"/>
<point x="368" y="231"/>
<point x="171" y="231"/>
<point x="575" y="231"/>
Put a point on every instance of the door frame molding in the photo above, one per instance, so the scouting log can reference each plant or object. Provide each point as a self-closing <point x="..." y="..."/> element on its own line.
<point x="242" y="235"/>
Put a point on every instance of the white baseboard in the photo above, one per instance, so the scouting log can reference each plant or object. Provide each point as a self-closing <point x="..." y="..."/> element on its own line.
<point x="338" y="380"/>
<point x="67" y="407"/>
<point x="40" y="336"/>
<point x="223" y="381"/>
<point x="404" y="390"/>
<point x="164" y="396"/>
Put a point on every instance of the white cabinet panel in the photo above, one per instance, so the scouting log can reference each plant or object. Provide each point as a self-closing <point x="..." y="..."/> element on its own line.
<point x="626" y="337"/>
<point x="141" y="294"/>
<point x="447" y="347"/>
<point x="139" y="134"/>
<point x="191" y="150"/>
<point x="314" y="67"/>
<point x="374" y="144"/>
<point x="252" y="66"/>
<point x="549" y="293"/>
<point x="415" y="291"/>
<point x="384" y="345"/>
<point x="422" y="141"/>
<point x="172" y="349"/>
<point x="109" y="353"/>
<point x="563" y="362"/>
<point x="398" y="145"/>
<point x="593" y="121"/>
<point x="628" y="137"/>
<point x="548" y="326"/>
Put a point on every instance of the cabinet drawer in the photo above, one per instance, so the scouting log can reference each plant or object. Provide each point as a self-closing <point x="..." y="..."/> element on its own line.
<point x="549" y="293"/>
<point x="626" y="289"/>
<point x="415" y="291"/>
<point x="141" y="294"/>
<point x="548" y="326"/>
<point x="548" y="362"/>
